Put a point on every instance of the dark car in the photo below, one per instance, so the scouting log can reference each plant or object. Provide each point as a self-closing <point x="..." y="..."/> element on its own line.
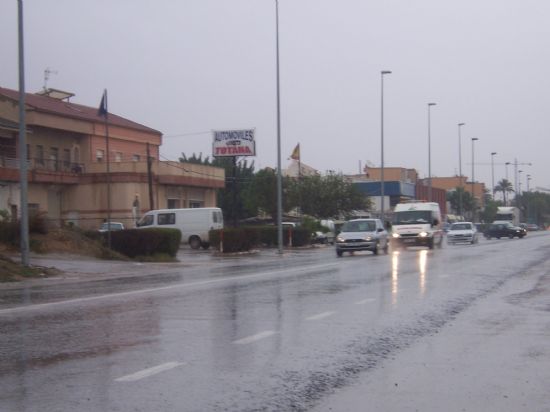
<point x="504" y="229"/>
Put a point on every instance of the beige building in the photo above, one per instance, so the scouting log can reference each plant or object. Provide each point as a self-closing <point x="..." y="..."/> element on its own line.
<point x="67" y="162"/>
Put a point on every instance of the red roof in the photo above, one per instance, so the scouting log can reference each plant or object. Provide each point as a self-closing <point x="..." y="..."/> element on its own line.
<point x="47" y="104"/>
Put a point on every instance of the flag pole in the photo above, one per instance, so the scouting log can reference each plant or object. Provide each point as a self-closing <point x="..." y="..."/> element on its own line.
<point x="103" y="109"/>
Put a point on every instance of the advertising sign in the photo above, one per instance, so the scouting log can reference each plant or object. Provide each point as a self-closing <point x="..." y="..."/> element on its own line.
<point x="233" y="143"/>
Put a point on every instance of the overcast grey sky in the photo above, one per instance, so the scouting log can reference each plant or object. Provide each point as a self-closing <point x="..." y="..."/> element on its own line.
<point x="188" y="67"/>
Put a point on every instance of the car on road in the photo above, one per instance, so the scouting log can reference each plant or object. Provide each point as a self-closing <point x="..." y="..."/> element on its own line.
<point x="462" y="232"/>
<point x="362" y="234"/>
<point x="504" y="229"/>
<point x="113" y="226"/>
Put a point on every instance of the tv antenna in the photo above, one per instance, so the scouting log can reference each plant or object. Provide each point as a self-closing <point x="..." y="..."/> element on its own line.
<point x="47" y="74"/>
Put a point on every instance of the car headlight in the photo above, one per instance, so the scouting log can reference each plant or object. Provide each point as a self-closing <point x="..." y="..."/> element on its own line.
<point x="395" y="235"/>
<point x="368" y="238"/>
<point x="423" y="234"/>
<point x="340" y="239"/>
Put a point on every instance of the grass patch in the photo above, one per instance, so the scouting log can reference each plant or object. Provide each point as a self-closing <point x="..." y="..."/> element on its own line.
<point x="11" y="271"/>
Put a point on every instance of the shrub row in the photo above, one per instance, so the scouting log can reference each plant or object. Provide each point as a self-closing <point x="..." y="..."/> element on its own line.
<point x="10" y="230"/>
<point x="243" y="239"/>
<point x="145" y="242"/>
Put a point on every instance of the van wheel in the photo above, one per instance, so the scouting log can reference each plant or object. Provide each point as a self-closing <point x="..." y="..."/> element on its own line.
<point x="194" y="242"/>
<point x="375" y="250"/>
<point x="431" y="243"/>
<point x="339" y="253"/>
<point x="205" y="245"/>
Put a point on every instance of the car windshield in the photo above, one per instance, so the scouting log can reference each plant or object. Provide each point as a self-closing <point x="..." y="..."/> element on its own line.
<point x="359" y="226"/>
<point x="412" y="216"/>
<point x="461" y="226"/>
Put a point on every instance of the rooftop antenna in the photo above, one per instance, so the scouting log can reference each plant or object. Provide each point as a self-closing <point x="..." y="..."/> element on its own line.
<point x="47" y="73"/>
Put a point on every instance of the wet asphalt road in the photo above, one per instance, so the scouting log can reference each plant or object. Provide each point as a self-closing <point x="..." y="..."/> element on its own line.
<point x="255" y="332"/>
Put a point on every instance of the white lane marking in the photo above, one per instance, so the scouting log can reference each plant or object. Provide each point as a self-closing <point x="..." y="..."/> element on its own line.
<point x="365" y="301"/>
<point x="321" y="315"/>
<point x="254" y="338"/>
<point x="39" y="306"/>
<point x="145" y="373"/>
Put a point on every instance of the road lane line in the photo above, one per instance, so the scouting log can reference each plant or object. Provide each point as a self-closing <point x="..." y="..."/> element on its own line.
<point x="321" y="315"/>
<point x="254" y="338"/>
<point x="145" y="373"/>
<point x="365" y="301"/>
<point x="286" y="271"/>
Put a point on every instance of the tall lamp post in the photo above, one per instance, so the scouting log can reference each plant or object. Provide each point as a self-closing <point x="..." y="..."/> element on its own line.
<point x="473" y="180"/>
<point x="493" y="172"/>
<point x="460" y="169"/>
<point x="528" y="180"/>
<point x="382" y="73"/>
<point x="279" y="171"/>
<point x="519" y="181"/>
<point x="429" y="153"/>
<point x="506" y="165"/>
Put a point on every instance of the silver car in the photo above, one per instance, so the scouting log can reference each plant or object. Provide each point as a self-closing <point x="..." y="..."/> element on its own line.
<point x="462" y="232"/>
<point x="362" y="234"/>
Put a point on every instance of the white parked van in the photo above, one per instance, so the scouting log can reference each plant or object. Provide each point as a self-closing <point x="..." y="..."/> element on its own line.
<point x="417" y="224"/>
<point x="193" y="223"/>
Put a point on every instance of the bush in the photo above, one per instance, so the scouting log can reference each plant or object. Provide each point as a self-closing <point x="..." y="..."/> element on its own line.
<point x="246" y="238"/>
<point x="145" y="242"/>
<point x="9" y="232"/>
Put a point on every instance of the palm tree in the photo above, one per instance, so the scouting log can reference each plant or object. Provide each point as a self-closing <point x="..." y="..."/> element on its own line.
<point x="504" y="186"/>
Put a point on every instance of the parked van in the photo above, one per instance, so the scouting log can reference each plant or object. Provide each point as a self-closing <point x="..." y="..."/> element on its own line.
<point x="193" y="223"/>
<point x="417" y="224"/>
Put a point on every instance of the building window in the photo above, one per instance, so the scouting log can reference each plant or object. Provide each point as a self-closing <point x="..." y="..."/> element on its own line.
<point x="118" y="156"/>
<point x="99" y="155"/>
<point x="173" y="204"/>
<point x="54" y="158"/>
<point x="135" y="158"/>
<point x="40" y="155"/>
<point x="66" y="159"/>
<point x="196" y="203"/>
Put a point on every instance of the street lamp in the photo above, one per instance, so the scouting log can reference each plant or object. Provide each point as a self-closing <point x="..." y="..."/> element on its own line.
<point x="528" y="180"/>
<point x="519" y="181"/>
<point x="279" y="176"/>
<point x="382" y="73"/>
<point x="460" y="169"/>
<point x="473" y="179"/>
<point x="429" y="154"/>
<point x="493" y="172"/>
<point x="506" y="165"/>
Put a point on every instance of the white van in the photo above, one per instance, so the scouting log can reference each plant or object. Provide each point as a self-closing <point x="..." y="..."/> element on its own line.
<point x="417" y="224"/>
<point x="193" y="223"/>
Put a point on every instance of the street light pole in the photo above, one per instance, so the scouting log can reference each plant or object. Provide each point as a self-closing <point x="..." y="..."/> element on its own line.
<point x="506" y="165"/>
<point x="493" y="172"/>
<point x="382" y="73"/>
<point x="279" y="171"/>
<point x="460" y="169"/>
<point x="519" y="181"/>
<point x="473" y="180"/>
<point x="429" y="154"/>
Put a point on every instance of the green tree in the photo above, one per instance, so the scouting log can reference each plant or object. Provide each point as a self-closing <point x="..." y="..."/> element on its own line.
<point x="454" y="199"/>
<point x="261" y="195"/>
<point x="504" y="186"/>
<point x="326" y="196"/>
<point x="238" y="176"/>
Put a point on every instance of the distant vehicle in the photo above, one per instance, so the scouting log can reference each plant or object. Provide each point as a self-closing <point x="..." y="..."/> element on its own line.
<point x="508" y="214"/>
<point x="194" y="223"/>
<point x="417" y="224"/>
<point x="504" y="229"/>
<point x="362" y="234"/>
<point x="113" y="226"/>
<point x="463" y="232"/>
<point x="531" y="227"/>
<point x="326" y="237"/>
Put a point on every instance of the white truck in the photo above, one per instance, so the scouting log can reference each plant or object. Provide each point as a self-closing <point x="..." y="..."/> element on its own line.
<point x="194" y="223"/>
<point x="417" y="224"/>
<point x="508" y="214"/>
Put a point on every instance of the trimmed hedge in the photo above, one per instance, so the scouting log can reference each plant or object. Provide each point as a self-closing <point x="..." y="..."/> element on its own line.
<point x="145" y="242"/>
<point x="243" y="239"/>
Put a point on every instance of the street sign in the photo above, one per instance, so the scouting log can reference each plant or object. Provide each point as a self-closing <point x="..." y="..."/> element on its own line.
<point x="230" y="143"/>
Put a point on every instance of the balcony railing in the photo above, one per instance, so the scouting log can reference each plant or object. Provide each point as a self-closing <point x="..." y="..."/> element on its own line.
<point x="44" y="164"/>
